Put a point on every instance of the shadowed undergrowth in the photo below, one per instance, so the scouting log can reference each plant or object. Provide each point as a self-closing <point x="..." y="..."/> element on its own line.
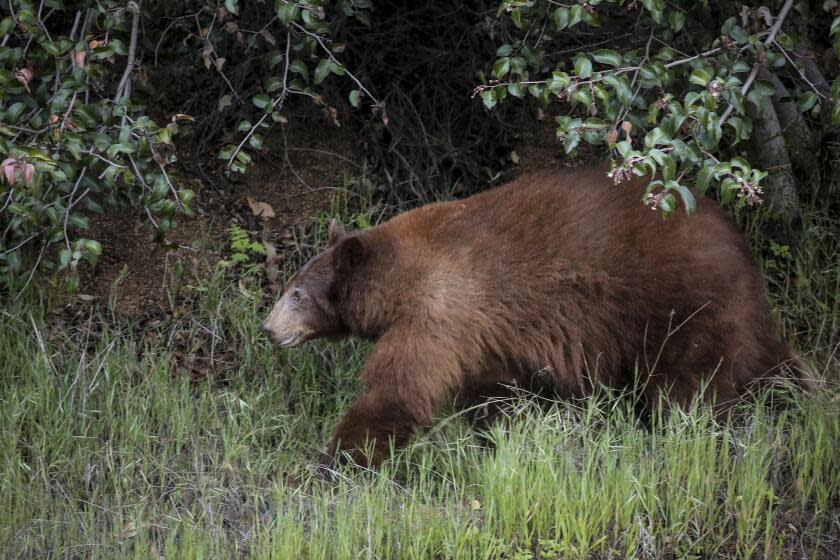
<point x="109" y="448"/>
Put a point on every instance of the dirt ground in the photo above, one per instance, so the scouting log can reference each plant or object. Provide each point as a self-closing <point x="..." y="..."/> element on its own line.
<point x="296" y="174"/>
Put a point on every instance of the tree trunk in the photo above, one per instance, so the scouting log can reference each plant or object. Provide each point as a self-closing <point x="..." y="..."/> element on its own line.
<point x="771" y="154"/>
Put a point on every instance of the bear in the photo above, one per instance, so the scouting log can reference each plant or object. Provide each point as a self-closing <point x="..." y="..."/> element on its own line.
<point x="562" y="276"/>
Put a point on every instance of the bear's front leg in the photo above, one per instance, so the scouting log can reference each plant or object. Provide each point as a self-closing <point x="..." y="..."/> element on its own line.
<point x="408" y="376"/>
<point x="375" y="421"/>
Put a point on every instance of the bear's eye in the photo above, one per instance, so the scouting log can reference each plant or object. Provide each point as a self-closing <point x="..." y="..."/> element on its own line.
<point x="297" y="295"/>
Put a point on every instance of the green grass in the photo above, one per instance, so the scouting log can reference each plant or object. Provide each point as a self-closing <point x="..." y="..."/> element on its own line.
<point x="109" y="449"/>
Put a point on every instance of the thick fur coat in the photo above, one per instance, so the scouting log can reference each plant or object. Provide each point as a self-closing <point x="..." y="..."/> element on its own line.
<point x="562" y="276"/>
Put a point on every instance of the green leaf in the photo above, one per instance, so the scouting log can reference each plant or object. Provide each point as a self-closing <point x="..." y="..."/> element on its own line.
<point x="583" y="97"/>
<point x="835" y="113"/>
<point x="669" y="168"/>
<point x="518" y="65"/>
<point x="273" y="83"/>
<point x="261" y="101"/>
<point x="52" y="48"/>
<point x="667" y="204"/>
<point x="6" y="25"/>
<point x="835" y="25"/>
<point x="273" y="58"/>
<point x="64" y="259"/>
<point x="489" y="98"/>
<point x="764" y="87"/>
<point x="704" y="177"/>
<point x="571" y="142"/>
<point x="299" y="67"/>
<point x="806" y="101"/>
<point x="575" y="15"/>
<point x="322" y="70"/>
<point x="93" y="246"/>
<point x="288" y="13"/>
<point x="516" y="18"/>
<point x="501" y="68"/>
<point x="227" y="151"/>
<point x="355" y="98"/>
<point x="742" y="128"/>
<point x="688" y="199"/>
<point x="232" y="6"/>
<point x="561" y="18"/>
<point x="597" y="124"/>
<point x="676" y="19"/>
<point x="583" y="66"/>
<point x="700" y="77"/>
<point x="607" y="56"/>
<point x="516" y="90"/>
<point x="558" y="82"/>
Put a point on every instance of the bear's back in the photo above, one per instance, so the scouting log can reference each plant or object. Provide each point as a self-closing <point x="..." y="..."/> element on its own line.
<point x="566" y="267"/>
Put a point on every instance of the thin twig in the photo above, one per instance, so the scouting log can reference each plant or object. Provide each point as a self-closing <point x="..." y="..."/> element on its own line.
<point x="335" y="60"/>
<point x="783" y="13"/>
<point x="171" y="186"/>
<point x="277" y="104"/>
<point x="106" y="160"/>
<point x="124" y="87"/>
<point x="799" y="70"/>
<point x="19" y="245"/>
<point x="44" y="247"/>
<point x="72" y="204"/>
<point x="8" y="200"/>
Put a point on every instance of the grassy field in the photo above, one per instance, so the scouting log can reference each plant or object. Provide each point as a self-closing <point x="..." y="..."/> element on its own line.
<point x="188" y="436"/>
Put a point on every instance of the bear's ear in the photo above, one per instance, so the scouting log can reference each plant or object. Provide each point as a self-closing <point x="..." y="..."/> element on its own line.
<point x="336" y="232"/>
<point x="349" y="253"/>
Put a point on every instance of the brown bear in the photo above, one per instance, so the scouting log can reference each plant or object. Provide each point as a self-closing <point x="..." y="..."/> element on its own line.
<point x="561" y="275"/>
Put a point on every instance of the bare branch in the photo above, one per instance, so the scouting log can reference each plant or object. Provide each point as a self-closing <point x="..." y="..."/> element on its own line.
<point x="334" y="59"/>
<point x="124" y="87"/>
<point x="72" y="204"/>
<point x="277" y="104"/>
<point x="783" y="13"/>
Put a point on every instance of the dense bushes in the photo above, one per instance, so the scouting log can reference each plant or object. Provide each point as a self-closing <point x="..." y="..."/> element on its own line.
<point x="89" y="116"/>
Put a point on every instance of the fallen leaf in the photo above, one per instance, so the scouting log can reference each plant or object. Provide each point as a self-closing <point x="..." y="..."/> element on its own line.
<point x="224" y="101"/>
<point x="79" y="58"/>
<point x="182" y="117"/>
<point x="261" y="209"/>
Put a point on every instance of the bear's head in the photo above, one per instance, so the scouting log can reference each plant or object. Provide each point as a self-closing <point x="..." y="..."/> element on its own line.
<point x="309" y="306"/>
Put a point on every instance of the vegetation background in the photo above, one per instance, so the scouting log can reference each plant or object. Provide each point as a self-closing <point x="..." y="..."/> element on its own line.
<point x="165" y="165"/>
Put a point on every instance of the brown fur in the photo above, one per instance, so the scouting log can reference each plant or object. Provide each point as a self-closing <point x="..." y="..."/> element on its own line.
<point x="561" y="274"/>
